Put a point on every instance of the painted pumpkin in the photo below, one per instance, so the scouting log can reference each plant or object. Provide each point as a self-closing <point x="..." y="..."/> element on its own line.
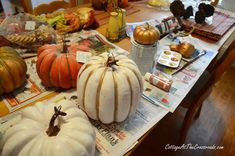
<point x="69" y="132"/>
<point x="109" y="87"/>
<point x="12" y="70"/>
<point x="146" y="34"/>
<point x="57" y="65"/>
<point x="185" y="48"/>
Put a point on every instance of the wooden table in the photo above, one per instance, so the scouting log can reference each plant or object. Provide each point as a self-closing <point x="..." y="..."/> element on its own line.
<point x="147" y="13"/>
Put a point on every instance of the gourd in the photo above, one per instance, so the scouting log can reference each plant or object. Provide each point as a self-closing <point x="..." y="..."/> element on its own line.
<point x="12" y="70"/>
<point x="69" y="133"/>
<point x="109" y="88"/>
<point x="186" y="49"/>
<point x="103" y="4"/>
<point x="57" y="65"/>
<point x="146" y="34"/>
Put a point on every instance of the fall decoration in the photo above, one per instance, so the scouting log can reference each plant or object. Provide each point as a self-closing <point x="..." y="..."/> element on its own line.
<point x="57" y="65"/>
<point x="108" y="5"/>
<point x="186" y="49"/>
<point x="188" y="12"/>
<point x="12" y="70"/>
<point x="207" y="9"/>
<point x="71" y="20"/>
<point x="109" y="87"/>
<point x="177" y="9"/>
<point x="200" y="17"/>
<point x="27" y="39"/>
<point x="69" y="132"/>
<point x="146" y="34"/>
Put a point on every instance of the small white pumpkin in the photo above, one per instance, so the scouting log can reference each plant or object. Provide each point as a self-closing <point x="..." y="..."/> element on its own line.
<point x="109" y="87"/>
<point x="69" y="134"/>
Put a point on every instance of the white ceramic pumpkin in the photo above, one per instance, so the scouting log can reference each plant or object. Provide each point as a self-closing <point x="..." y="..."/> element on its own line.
<point x="109" y="87"/>
<point x="69" y="135"/>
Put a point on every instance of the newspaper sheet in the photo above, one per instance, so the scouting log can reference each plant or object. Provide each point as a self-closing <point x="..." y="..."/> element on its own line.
<point x="113" y="139"/>
<point x="89" y="41"/>
<point x="31" y="90"/>
<point x="118" y="138"/>
<point x="182" y="81"/>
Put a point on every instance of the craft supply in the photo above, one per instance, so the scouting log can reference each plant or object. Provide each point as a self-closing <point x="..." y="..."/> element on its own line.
<point x="169" y="58"/>
<point x="168" y="25"/>
<point x="121" y="18"/>
<point x="160" y="82"/>
<point x="143" y="55"/>
<point x="188" y="63"/>
<point x="113" y="28"/>
<point x="122" y="22"/>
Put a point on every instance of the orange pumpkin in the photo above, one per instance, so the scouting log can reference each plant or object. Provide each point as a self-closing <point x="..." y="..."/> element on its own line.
<point x="12" y="70"/>
<point x="186" y="49"/>
<point x="146" y="34"/>
<point x="57" y="65"/>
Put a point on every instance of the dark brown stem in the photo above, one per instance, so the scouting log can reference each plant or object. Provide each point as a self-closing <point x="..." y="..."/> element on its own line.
<point x="147" y="25"/>
<point x="111" y="61"/>
<point x="180" y="21"/>
<point x="53" y="130"/>
<point x="65" y="47"/>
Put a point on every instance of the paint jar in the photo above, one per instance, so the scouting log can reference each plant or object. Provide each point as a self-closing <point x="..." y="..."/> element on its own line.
<point x="143" y="56"/>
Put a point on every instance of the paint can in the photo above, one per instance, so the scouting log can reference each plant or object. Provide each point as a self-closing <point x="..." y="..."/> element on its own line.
<point x="143" y="56"/>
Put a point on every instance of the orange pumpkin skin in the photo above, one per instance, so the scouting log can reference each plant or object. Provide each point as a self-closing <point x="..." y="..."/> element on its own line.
<point x="12" y="70"/>
<point x="56" y="67"/>
<point x="146" y="34"/>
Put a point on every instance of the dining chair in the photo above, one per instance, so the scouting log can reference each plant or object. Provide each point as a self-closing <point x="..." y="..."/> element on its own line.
<point x="202" y="89"/>
<point x="47" y="8"/>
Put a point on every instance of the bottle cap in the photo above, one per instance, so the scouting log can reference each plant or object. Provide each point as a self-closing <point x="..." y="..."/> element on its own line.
<point x="147" y="76"/>
<point x="113" y="14"/>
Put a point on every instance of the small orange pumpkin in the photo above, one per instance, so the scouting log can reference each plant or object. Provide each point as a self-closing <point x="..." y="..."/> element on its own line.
<point x="146" y="34"/>
<point x="186" y="49"/>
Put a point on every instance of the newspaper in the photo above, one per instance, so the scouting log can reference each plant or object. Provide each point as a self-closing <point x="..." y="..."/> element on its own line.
<point x="32" y="90"/>
<point x="118" y="138"/>
<point x="113" y="139"/>
<point x="182" y="81"/>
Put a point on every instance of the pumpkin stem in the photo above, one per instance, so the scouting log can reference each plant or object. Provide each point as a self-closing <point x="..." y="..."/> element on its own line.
<point x="111" y="61"/>
<point x="65" y="47"/>
<point x="53" y="130"/>
<point x="147" y="25"/>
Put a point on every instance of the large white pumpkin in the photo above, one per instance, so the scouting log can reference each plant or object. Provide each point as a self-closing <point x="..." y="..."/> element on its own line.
<point x="109" y="87"/>
<point x="30" y="137"/>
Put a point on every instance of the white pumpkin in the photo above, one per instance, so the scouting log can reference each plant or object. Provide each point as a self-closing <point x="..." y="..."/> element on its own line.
<point x="109" y="87"/>
<point x="32" y="137"/>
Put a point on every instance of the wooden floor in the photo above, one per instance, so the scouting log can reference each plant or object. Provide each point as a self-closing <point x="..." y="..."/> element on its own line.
<point x="215" y="126"/>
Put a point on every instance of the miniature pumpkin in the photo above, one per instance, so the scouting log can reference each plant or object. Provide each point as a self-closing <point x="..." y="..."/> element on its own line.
<point x="69" y="132"/>
<point x="57" y="65"/>
<point x="12" y="70"/>
<point x="146" y="34"/>
<point x="186" y="49"/>
<point x="109" y="87"/>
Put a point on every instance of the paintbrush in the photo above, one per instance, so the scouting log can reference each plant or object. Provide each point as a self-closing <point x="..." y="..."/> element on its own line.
<point x="188" y="63"/>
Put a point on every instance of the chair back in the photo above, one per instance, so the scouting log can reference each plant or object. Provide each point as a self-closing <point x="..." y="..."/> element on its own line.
<point x="47" y="8"/>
